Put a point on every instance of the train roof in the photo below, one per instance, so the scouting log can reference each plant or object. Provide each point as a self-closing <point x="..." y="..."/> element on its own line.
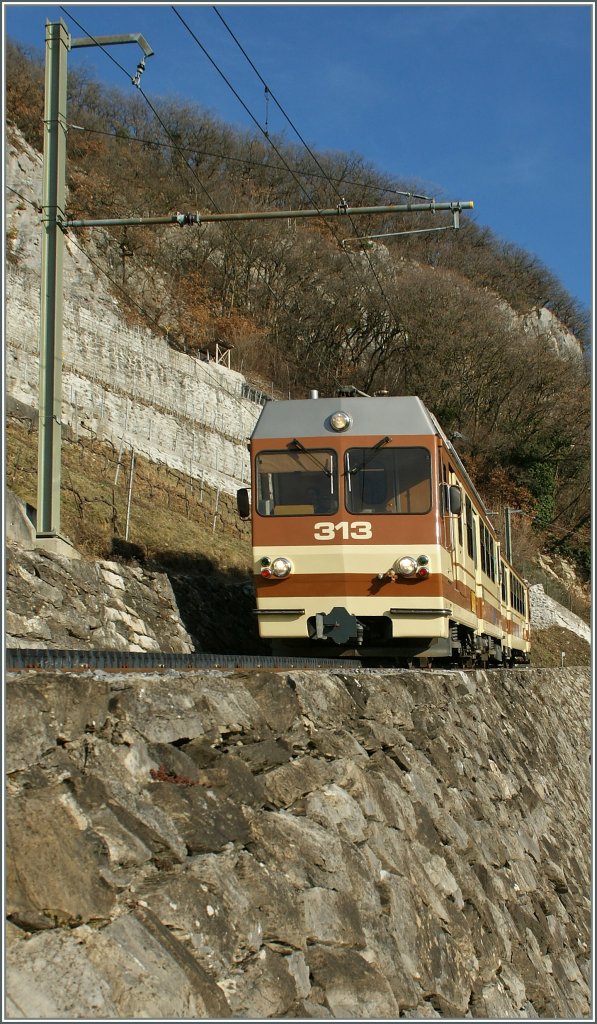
<point x="310" y="417"/>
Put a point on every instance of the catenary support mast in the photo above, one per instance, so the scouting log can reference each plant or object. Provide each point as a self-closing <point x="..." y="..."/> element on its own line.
<point x="58" y="43"/>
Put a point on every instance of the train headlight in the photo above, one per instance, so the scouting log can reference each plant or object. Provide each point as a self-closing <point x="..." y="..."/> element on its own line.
<point x="281" y="567"/>
<point x="406" y="566"/>
<point x="339" y="421"/>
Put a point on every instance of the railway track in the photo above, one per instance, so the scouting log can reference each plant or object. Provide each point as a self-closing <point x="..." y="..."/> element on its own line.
<point x="24" y="659"/>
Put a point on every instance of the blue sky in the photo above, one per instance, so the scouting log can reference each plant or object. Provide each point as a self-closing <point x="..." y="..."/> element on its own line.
<point x="483" y="102"/>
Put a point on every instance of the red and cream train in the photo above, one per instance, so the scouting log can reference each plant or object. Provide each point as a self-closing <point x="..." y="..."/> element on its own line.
<point x="369" y="536"/>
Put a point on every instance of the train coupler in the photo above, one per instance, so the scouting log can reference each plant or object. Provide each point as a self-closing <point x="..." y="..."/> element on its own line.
<point x="339" y="626"/>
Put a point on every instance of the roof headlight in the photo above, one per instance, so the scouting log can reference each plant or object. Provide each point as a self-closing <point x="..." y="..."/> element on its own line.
<point x="340" y="421"/>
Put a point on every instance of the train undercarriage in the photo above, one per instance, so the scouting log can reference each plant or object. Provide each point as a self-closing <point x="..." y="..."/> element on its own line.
<point x="370" y="640"/>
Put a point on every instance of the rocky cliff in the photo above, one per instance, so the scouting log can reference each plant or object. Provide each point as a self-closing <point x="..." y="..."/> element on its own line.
<point x="262" y="845"/>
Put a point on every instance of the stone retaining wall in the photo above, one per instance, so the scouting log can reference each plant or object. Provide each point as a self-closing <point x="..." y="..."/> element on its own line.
<point x="279" y="845"/>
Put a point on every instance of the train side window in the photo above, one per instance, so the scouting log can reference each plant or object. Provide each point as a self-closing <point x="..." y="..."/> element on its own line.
<point x="518" y="595"/>
<point x="504" y="582"/>
<point x="451" y="499"/>
<point x="457" y="511"/>
<point x="470" y="530"/>
<point x="301" y="482"/>
<point x="487" y="552"/>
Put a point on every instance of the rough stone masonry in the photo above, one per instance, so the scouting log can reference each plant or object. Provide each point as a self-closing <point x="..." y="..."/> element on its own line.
<point x="298" y="845"/>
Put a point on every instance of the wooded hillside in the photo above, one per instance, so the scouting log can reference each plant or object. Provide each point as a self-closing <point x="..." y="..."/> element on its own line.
<point x="431" y="315"/>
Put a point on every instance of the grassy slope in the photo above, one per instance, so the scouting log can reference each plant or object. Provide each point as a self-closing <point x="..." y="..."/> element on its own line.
<point x="171" y="519"/>
<point x="549" y="644"/>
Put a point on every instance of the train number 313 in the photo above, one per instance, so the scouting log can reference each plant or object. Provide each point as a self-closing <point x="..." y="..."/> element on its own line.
<point x="352" y="531"/>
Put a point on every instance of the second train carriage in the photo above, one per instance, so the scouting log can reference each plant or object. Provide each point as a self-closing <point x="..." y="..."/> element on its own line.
<point x="369" y="535"/>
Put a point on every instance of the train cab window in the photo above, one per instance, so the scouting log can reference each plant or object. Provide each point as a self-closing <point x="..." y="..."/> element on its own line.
<point x="388" y="481"/>
<point x="297" y="483"/>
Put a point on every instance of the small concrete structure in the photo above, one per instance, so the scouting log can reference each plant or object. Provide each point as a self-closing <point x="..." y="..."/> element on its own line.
<point x="19" y="525"/>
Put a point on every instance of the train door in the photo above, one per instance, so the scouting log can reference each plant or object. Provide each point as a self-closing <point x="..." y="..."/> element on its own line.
<point x="451" y="520"/>
<point x="470" y="554"/>
<point x="445" y="531"/>
<point x="506" y="612"/>
<point x="457" y="537"/>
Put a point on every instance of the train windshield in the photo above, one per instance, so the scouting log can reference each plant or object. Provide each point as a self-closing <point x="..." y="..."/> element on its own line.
<point x="297" y="483"/>
<point x="388" y="481"/>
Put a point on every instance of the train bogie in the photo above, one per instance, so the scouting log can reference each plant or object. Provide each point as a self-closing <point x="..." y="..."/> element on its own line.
<point x="369" y="536"/>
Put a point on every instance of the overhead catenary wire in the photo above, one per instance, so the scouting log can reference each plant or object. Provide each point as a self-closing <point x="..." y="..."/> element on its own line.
<point x="175" y="146"/>
<point x="287" y="118"/>
<point x="227" y="158"/>
<point x="97" y="43"/>
<point x="279" y="154"/>
<point x="318" y="164"/>
<point x="214" y="379"/>
<point x="178" y="149"/>
<point x="327" y="177"/>
<point x="241" y="101"/>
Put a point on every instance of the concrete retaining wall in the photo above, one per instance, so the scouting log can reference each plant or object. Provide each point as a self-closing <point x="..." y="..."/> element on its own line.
<point x="546" y="612"/>
<point x="120" y="383"/>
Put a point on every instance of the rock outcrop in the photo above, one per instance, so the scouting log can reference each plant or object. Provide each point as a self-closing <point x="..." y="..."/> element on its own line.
<point x="266" y="845"/>
<point x="72" y="604"/>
